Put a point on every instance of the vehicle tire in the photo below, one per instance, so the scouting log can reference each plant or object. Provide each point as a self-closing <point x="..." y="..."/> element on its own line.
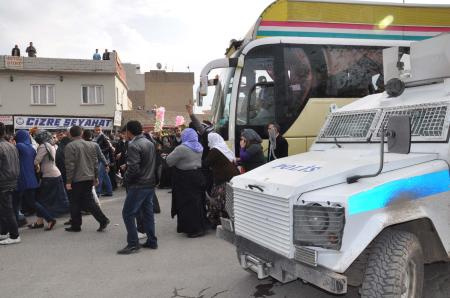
<point x="395" y="267"/>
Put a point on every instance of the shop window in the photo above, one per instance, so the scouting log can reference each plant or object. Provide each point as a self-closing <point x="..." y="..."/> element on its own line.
<point x="43" y="95"/>
<point x="91" y="95"/>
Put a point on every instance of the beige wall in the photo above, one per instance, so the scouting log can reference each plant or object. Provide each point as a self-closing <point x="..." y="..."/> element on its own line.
<point x="123" y="103"/>
<point x="15" y="96"/>
<point x="137" y="98"/>
<point x="172" y="90"/>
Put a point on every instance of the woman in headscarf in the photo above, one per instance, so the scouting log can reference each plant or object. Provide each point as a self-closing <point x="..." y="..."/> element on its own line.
<point x="220" y="160"/>
<point x="27" y="180"/>
<point x="188" y="185"/>
<point x="51" y="194"/>
<point x="251" y="152"/>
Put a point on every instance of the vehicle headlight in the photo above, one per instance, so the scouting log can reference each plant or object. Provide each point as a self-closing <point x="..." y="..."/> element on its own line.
<point x="320" y="226"/>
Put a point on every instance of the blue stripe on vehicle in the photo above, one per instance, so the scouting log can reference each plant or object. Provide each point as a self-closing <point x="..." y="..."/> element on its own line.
<point x="341" y="35"/>
<point x="407" y="189"/>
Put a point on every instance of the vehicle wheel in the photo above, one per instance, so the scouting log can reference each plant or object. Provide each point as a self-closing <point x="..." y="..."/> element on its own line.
<point x="395" y="267"/>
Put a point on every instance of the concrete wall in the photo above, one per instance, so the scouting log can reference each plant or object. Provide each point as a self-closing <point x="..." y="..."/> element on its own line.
<point x="135" y="79"/>
<point x="137" y="98"/>
<point x="172" y="90"/>
<point x="123" y="103"/>
<point x="16" y="95"/>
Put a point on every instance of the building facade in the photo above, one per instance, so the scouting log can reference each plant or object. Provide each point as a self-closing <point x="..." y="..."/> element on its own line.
<point x="136" y="85"/>
<point x="58" y="93"/>
<point x="172" y="90"/>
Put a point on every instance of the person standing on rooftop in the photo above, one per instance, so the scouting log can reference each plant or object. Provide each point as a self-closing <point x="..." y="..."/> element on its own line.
<point x="15" y="51"/>
<point x="106" y="55"/>
<point x="97" y="55"/>
<point x="31" y="50"/>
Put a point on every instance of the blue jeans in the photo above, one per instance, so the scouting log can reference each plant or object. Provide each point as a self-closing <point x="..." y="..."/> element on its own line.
<point x="29" y="196"/>
<point x="103" y="178"/>
<point x="139" y="199"/>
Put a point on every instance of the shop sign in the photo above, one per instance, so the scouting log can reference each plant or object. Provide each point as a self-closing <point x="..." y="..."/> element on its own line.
<point x="117" y="118"/>
<point x="13" y="62"/>
<point x="44" y="122"/>
<point x="7" y="120"/>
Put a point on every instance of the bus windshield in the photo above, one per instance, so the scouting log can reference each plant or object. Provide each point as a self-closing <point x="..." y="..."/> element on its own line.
<point x="278" y="80"/>
<point x="221" y="102"/>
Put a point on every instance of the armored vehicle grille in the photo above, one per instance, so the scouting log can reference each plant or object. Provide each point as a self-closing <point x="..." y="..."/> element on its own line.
<point x="263" y="219"/>
<point x="349" y="126"/>
<point x="319" y="226"/>
<point x="428" y="122"/>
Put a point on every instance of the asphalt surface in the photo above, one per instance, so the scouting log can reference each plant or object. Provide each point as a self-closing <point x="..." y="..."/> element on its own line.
<point x="61" y="264"/>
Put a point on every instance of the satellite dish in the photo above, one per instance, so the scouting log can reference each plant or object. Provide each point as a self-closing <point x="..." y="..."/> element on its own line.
<point x="159" y="66"/>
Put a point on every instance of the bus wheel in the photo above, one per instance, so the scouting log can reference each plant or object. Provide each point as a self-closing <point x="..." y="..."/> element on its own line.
<point x="395" y="267"/>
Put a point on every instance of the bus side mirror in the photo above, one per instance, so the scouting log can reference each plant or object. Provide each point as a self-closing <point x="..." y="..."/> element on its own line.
<point x="399" y="134"/>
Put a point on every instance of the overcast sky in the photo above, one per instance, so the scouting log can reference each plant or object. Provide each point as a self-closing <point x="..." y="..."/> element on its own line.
<point x="177" y="33"/>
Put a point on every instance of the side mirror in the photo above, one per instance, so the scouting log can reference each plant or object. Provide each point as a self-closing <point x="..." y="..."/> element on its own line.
<point x="399" y="134"/>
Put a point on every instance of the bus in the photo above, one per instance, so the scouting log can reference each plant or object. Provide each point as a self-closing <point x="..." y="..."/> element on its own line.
<point x="303" y="59"/>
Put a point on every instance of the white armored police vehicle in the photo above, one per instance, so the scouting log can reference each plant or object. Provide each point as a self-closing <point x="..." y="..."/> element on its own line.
<point x="357" y="210"/>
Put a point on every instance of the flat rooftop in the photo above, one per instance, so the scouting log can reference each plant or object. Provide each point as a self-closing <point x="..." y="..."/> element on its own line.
<point x="60" y="65"/>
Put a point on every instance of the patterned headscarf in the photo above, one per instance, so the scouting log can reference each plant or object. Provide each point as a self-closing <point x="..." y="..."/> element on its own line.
<point x="189" y="138"/>
<point x="44" y="137"/>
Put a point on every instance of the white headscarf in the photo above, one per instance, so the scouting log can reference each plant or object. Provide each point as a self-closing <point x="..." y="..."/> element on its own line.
<point x="216" y="141"/>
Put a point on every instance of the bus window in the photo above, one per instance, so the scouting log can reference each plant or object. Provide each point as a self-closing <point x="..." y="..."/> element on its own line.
<point x="326" y="71"/>
<point x="256" y="102"/>
<point x="222" y="100"/>
<point x="278" y="80"/>
<point x="301" y="80"/>
<point x="351" y="70"/>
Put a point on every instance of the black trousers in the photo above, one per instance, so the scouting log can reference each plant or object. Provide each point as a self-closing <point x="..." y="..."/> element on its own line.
<point x="80" y="197"/>
<point x="8" y="223"/>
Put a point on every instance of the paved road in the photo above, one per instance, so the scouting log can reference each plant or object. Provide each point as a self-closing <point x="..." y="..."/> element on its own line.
<point x="61" y="264"/>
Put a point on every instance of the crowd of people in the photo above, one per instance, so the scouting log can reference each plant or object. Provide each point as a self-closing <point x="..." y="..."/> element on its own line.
<point x="66" y="172"/>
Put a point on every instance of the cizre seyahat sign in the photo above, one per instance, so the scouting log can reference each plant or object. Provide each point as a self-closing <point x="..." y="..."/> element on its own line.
<point x="42" y="122"/>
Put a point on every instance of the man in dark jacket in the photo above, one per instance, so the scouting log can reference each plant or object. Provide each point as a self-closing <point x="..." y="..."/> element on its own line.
<point x="9" y="174"/>
<point x="15" y="51"/>
<point x="81" y="173"/>
<point x="278" y="146"/>
<point x="60" y="158"/>
<point x="140" y="182"/>
<point x="105" y="181"/>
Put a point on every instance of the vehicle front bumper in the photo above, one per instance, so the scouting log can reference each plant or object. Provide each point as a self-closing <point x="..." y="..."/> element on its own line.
<point x="265" y="262"/>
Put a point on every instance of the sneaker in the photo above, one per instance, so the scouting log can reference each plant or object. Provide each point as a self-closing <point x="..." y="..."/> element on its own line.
<point x="127" y="250"/>
<point x="3" y="237"/>
<point x="103" y="226"/>
<point x="150" y="246"/>
<point x="142" y="235"/>
<point x="9" y="241"/>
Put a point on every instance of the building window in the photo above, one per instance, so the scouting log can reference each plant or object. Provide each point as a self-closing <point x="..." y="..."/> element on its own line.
<point x="43" y="94"/>
<point x="92" y="95"/>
